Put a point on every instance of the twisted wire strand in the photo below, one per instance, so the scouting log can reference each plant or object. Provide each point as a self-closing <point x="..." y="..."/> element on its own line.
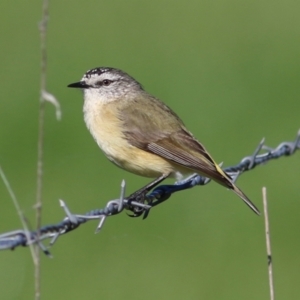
<point x="16" y="238"/>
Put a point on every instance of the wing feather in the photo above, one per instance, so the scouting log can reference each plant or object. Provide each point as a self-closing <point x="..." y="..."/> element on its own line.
<point x="168" y="138"/>
<point x="159" y="130"/>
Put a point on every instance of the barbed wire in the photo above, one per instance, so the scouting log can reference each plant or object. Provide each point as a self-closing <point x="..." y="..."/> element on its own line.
<point x="138" y="203"/>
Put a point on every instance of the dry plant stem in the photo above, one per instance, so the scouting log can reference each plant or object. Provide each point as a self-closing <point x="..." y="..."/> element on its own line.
<point x="18" y="209"/>
<point x="41" y="120"/>
<point x="268" y="242"/>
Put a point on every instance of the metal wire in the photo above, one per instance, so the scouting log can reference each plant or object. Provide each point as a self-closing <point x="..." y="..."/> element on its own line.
<point x="16" y="238"/>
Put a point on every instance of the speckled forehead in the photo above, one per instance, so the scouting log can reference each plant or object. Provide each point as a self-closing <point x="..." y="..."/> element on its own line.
<point x="96" y="73"/>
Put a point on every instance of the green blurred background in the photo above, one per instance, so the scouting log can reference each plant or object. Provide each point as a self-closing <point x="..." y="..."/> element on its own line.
<point x="230" y="69"/>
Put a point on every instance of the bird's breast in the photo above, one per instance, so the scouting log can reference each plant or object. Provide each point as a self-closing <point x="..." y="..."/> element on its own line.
<point x="107" y="130"/>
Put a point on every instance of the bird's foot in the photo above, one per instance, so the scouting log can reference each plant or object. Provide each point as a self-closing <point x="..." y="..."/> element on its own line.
<point x="140" y="196"/>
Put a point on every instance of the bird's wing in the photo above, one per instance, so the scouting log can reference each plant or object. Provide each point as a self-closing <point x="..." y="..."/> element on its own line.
<point x="167" y="137"/>
<point x="182" y="149"/>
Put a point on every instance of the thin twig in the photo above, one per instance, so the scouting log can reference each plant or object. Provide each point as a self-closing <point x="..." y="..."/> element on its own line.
<point x="40" y="154"/>
<point x="18" y="209"/>
<point x="268" y="243"/>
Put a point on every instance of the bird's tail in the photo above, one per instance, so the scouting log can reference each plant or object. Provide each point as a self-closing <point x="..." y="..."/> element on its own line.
<point x="245" y="199"/>
<point x="225" y="180"/>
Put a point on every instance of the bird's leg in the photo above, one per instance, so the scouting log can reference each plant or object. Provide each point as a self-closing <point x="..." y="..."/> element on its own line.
<point x="139" y="196"/>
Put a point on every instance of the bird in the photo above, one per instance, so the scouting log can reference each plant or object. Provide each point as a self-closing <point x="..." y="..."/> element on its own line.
<point x="141" y="134"/>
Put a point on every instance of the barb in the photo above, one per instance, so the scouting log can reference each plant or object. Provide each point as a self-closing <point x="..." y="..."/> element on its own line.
<point x="13" y="239"/>
<point x="138" y="206"/>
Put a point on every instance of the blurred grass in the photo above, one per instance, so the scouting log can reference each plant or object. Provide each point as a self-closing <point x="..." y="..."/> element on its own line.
<point x="231" y="71"/>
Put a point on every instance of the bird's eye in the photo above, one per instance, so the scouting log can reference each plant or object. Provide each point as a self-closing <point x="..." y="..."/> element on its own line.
<point x="106" y="82"/>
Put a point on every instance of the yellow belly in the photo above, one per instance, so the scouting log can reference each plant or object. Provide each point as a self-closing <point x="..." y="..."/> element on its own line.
<point x="105" y="127"/>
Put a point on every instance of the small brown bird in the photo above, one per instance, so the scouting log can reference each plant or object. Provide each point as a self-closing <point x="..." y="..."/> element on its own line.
<point x="142" y="135"/>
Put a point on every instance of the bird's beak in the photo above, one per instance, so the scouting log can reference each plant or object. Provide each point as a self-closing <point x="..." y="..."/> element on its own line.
<point x="80" y="84"/>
